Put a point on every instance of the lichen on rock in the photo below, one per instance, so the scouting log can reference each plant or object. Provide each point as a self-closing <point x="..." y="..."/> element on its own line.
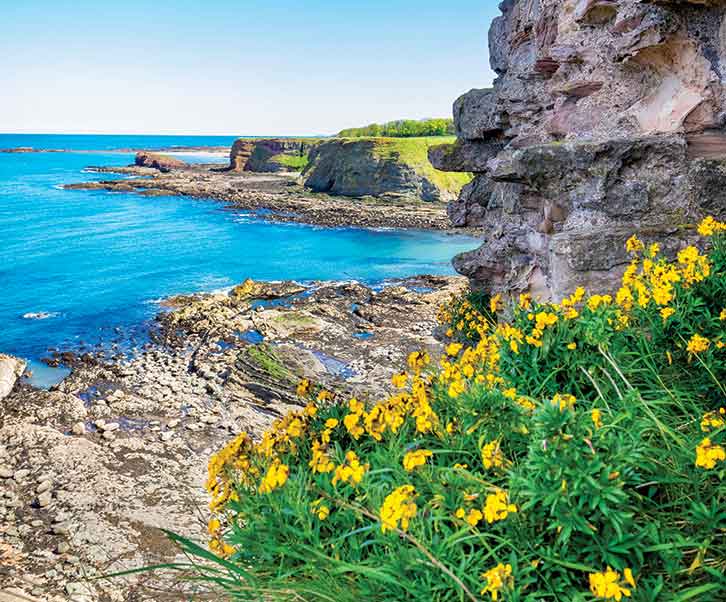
<point x="605" y="118"/>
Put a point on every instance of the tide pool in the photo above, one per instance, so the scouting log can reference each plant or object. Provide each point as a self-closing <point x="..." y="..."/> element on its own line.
<point x="87" y="267"/>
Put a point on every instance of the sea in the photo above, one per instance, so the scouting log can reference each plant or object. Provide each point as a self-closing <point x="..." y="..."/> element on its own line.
<point x="84" y="270"/>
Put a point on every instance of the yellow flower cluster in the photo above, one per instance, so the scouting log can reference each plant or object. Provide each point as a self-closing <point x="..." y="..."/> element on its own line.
<point x="320" y="509"/>
<point x="609" y="585"/>
<point x="398" y="509"/>
<point x="492" y="456"/>
<point x="713" y="420"/>
<point x="709" y="226"/>
<point x="698" y="344"/>
<point x="497" y="579"/>
<point x="352" y="471"/>
<point x="275" y="478"/>
<point x="709" y="453"/>
<point x="497" y="507"/>
<point x="414" y="459"/>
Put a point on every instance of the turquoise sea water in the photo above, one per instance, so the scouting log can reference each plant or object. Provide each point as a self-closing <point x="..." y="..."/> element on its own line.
<point x="81" y="268"/>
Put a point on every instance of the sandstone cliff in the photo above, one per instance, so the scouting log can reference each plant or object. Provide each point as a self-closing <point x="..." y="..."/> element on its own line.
<point x="270" y="155"/>
<point x="380" y="167"/>
<point x="607" y="117"/>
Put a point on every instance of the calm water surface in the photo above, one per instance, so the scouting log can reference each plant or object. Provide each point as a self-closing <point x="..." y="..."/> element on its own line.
<point x="86" y="267"/>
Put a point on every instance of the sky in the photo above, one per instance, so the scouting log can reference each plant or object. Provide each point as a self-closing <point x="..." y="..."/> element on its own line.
<point x="236" y="67"/>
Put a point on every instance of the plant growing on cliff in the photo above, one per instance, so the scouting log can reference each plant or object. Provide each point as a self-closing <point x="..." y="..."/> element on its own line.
<point x="571" y="451"/>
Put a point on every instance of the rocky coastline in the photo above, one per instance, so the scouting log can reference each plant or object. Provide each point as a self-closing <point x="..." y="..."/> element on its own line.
<point x="278" y="196"/>
<point x="91" y="469"/>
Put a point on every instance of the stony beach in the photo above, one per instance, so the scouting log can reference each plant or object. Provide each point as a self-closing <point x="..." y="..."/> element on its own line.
<point x="92" y="470"/>
<point x="280" y="197"/>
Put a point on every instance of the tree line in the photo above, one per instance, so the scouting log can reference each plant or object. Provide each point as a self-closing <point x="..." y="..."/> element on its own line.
<point x="403" y="128"/>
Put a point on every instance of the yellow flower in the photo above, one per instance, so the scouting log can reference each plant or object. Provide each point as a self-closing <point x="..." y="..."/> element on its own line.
<point x="399" y="380"/>
<point x="492" y="456"/>
<point x="497" y="507"/>
<point x="418" y="360"/>
<point x="572" y="346"/>
<point x="713" y="420"/>
<point x="497" y="579"/>
<point x="722" y="315"/>
<point x="525" y="301"/>
<point x="453" y="349"/>
<point x="303" y="387"/>
<point x="598" y="300"/>
<point x="609" y="585"/>
<point x="634" y="245"/>
<point x="213" y="527"/>
<point x="321" y="510"/>
<point x="666" y="313"/>
<point x="698" y="344"/>
<point x="495" y="303"/>
<point x="352" y="471"/>
<point x="707" y="454"/>
<point x="596" y="416"/>
<point x="398" y="509"/>
<point x="275" y="478"/>
<point x="653" y="250"/>
<point x="414" y="459"/>
<point x="456" y="388"/>
<point x="564" y="401"/>
<point x="331" y="423"/>
<point x="709" y="226"/>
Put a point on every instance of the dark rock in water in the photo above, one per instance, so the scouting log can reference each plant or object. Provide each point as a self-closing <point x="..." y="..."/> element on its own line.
<point x="163" y="163"/>
<point x="607" y="119"/>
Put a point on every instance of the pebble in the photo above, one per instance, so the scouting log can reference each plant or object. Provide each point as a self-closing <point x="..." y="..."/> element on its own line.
<point x="44" y="499"/>
<point x="79" y="428"/>
<point x="166" y="436"/>
<point x="21" y="474"/>
<point x="63" y="547"/>
<point x="5" y="472"/>
<point x="44" y="486"/>
<point x="61" y="529"/>
<point x="111" y="426"/>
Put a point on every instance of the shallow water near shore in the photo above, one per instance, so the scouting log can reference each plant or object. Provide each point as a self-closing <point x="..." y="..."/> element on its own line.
<point x="83" y="268"/>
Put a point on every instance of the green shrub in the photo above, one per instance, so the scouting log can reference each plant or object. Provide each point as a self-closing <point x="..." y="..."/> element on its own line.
<point x="570" y="451"/>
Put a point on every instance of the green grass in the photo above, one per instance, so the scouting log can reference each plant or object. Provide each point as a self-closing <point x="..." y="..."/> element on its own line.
<point x="296" y="162"/>
<point x="414" y="152"/>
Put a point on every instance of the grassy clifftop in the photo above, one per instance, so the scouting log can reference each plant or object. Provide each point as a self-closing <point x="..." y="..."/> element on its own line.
<point x="376" y="166"/>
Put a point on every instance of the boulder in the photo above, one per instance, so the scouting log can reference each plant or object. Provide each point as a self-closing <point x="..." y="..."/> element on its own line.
<point x="163" y="163"/>
<point x="607" y="119"/>
<point x="11" y="368"/>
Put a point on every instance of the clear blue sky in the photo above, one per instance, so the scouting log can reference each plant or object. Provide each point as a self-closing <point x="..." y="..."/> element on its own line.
<point x="235" y="67"/>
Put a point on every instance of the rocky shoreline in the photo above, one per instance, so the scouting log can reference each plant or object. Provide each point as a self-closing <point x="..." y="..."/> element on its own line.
<point x="279" y="196"/>
<point x="92" y="470"/>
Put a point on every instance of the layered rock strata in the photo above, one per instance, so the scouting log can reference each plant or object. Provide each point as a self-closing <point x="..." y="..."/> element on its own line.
<point x="606" y="118"/>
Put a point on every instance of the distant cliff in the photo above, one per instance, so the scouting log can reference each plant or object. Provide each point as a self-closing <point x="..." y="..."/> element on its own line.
<point x="606" y="118"/>
<point x="271" y="155"/>
<point x="380" y="167"/>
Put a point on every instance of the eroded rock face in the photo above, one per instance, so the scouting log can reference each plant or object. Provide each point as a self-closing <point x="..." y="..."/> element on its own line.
<point x="271" y="155"/>
<point x="368" y="167"/>
<point x="606" y="118"/>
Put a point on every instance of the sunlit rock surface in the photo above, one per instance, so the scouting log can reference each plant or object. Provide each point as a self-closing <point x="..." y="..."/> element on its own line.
<point x="606" y="118"/>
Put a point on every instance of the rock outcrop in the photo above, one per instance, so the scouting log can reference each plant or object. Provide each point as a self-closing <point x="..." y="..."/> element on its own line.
<point x="606" y="118"/>
<point x="11" y="369"/>
<point x="272" y="155"/>
<point x="379" y="167"/>
<point x="163" y="163"/>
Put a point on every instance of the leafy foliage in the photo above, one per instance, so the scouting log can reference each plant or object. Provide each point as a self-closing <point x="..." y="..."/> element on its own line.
<point x="403" y="128"/>
<point x="570" y="451"/>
